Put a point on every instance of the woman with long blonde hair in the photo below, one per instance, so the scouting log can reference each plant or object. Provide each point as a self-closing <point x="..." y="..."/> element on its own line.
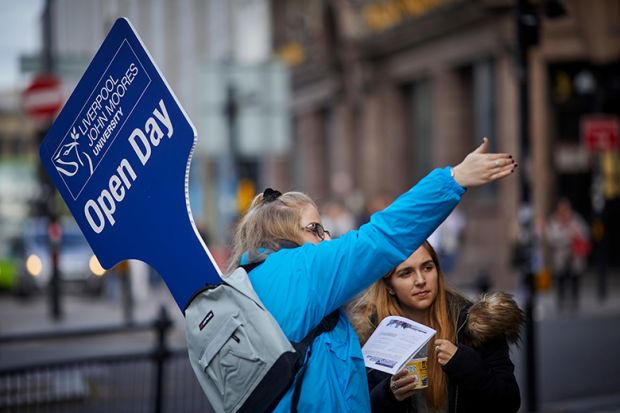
<point x="469" y="366"/>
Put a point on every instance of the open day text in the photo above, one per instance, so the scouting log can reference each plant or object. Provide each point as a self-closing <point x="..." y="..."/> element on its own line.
<point x="101" y="211"/>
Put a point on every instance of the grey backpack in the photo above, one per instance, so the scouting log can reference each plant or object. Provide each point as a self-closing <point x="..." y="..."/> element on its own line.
<point x="241" y="357"/>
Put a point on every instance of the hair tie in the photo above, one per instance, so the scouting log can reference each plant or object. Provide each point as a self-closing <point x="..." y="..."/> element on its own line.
<point x="270" y="195"/>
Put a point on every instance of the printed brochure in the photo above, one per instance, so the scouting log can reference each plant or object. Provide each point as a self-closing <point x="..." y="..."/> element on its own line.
<point x="394" y="343"/>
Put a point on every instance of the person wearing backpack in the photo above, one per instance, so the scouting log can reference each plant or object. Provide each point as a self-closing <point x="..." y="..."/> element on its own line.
<point x="301" y="279"/>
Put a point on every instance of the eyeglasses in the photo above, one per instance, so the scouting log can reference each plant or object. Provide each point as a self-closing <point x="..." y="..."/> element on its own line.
<point x="317" y="229"/>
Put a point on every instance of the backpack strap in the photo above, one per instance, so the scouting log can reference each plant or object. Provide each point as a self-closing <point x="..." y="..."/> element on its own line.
<point x="246" y="267"/>
<point x="197" y="293"/>
<point x="328" y="323"/>
<point x="251" y="266"/>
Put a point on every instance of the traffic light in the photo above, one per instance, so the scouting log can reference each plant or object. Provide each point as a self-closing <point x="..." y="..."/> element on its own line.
<point x="528" y="24"/>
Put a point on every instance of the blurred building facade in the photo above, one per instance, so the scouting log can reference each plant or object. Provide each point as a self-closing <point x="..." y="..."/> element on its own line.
<point x="18" y="166"/>
<point x="385" y="90"/>
<point x="381" y="92"/>
<point x="16" y="129"/>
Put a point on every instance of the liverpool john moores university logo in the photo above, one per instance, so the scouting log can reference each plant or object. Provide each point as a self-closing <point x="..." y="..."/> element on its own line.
<point x="106" y="109"/>
<point x="69" y="159"/>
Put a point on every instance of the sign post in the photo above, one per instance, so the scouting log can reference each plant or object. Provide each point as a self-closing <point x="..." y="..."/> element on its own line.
<point x="119" y="155"/>
<point x="42" y="100"/>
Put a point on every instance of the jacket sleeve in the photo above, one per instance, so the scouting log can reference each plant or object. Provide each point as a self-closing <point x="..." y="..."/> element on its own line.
<point x="486" y="374"/>
<point x="335" y="271"/>
<point x="381" y="397"/>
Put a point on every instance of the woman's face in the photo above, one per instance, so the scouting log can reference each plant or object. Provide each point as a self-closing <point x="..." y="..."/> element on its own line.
<point x="415" y="283"/>
<point x="310" y="217"/>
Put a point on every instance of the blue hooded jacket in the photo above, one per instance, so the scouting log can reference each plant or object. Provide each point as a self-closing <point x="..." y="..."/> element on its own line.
<point x="302" y="285"/>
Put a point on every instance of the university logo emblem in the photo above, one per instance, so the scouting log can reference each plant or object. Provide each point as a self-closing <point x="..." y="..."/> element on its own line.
<point x="68" y="159"/>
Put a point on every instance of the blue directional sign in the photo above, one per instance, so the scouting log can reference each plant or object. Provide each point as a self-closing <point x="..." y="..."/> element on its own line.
<point x="119" y="155"/>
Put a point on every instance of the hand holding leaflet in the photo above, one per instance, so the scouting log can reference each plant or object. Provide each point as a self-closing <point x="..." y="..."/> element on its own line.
<point x="395" y="341"/>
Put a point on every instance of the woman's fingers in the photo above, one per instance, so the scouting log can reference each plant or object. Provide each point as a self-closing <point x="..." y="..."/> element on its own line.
<point x="507" y="167"/>
<point x="500" y="162"/>
<point x="483" y="147"/>
<point x="403" y="385"/>
<point x="494" y="156"/>
<point x="498" y="173"/>
<point x="399" y="375"/>
<point x="502" y="173"/>
<point x="407" y="390"/>
<point x="444" y="350"/>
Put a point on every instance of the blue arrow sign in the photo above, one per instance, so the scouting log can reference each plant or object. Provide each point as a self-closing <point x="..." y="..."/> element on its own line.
<point x="119" y="154"/>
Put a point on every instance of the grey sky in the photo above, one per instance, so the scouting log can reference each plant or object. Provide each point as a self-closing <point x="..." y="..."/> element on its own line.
<point x="19" y="34"/>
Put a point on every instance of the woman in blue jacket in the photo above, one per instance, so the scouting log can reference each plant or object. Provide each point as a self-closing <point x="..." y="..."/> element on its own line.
<point x="301" y="285"/>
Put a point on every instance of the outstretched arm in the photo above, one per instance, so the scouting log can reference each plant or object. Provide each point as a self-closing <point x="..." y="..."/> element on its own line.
<point x="358" y="259"/>
<point x="333" y="272"/>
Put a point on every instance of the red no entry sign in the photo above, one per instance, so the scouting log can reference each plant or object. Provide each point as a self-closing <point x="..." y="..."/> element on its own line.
<point x="43" y="99"/>
<point x="600" y="132"/>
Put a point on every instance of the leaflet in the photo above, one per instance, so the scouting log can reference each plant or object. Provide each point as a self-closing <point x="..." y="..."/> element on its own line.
<point x="394" y="343"/>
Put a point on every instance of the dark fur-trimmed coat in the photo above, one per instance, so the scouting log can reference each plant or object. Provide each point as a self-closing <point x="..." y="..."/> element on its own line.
<point x="480" y="374"/>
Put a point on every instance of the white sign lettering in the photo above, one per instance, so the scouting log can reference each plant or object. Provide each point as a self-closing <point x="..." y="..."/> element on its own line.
<point x="100" y="211"/>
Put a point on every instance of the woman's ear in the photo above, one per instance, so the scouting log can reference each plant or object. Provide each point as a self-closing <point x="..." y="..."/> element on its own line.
<point x="388" y="286"/>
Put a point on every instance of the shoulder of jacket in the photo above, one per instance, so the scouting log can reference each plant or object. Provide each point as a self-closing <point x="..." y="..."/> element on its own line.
<point x="493" y="316"/>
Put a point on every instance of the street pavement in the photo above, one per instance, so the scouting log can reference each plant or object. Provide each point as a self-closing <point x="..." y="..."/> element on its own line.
<point x="577" y="362"/>
<point x="577" y="367"/>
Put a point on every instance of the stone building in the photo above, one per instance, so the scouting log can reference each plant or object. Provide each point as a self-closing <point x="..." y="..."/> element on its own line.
<point x="386" y="90"/>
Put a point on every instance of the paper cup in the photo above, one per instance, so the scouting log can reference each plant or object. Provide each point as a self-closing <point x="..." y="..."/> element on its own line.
<point x="419" y="368"/>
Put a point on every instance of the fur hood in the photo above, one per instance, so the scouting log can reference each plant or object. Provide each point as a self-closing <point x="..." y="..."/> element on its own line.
<point x="492" y="316"/>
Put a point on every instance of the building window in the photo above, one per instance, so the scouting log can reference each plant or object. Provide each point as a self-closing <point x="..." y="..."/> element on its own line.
<point x="420" y="128"/>
<point x="484" y="100"/>
<point x="484" y="92"/>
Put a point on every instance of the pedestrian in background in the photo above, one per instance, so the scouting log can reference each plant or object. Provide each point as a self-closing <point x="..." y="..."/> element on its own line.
<point x="569" y="240"/>
<point x="469" y="363"/>
<point x="446" y="240"/>
<point x="376" y="203"/>
<point x="303" y="279"/>
<point x="338" y="218"/>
